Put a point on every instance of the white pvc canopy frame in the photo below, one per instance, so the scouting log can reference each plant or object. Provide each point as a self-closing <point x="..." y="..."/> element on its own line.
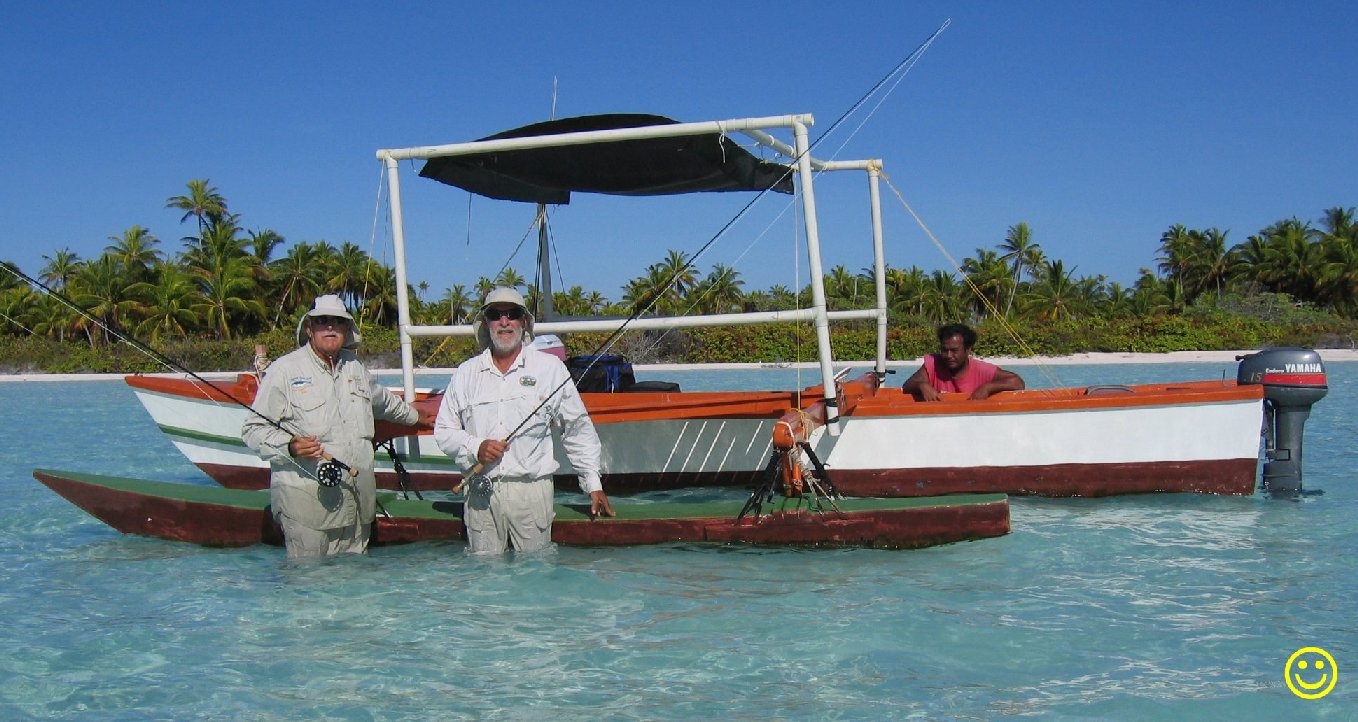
<point x="752" y="127"/>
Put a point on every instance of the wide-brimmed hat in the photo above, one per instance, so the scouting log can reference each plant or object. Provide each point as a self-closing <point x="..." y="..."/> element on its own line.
<point x="501" y="295"/>
<point x="330" y="305"/>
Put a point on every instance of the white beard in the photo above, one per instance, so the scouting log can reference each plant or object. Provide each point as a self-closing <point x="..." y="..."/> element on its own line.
<point x="503" y="345"/>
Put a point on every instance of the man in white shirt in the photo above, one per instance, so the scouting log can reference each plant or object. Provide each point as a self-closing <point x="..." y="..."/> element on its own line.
<point x="496" y="422"/>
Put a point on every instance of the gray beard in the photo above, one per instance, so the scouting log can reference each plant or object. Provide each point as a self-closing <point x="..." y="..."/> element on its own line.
<point x="505" y="347"/>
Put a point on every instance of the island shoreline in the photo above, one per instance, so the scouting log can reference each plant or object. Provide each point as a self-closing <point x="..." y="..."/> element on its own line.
<point x="1326" y="355"/>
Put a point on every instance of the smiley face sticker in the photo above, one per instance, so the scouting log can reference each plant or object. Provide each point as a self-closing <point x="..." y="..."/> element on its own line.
<point x="1310" y="673"/>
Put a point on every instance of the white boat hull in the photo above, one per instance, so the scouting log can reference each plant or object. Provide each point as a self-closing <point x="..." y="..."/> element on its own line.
<point x="1192" y="437"/>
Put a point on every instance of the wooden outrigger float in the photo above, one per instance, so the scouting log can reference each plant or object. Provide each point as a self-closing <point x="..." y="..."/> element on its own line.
<point x="220" y="517"/>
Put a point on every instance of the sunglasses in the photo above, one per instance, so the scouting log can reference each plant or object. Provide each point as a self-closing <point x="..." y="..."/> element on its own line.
<point x="495" y="314"/>
<point x="329" y="320"/>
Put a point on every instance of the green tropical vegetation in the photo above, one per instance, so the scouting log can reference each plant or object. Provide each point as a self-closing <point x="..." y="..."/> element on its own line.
<point x="227" y="288"/>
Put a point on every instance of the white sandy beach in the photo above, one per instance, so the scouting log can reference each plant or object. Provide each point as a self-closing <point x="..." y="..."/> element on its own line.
<point x="1326" y="355"/>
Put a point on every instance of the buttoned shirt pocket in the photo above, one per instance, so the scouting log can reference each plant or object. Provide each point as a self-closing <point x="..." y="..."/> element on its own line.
<point x="361" y="397"/>
<point x="309" y="408"/>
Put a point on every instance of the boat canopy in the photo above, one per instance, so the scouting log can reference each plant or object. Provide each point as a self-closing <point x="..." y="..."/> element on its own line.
<point x="637" y="167"/>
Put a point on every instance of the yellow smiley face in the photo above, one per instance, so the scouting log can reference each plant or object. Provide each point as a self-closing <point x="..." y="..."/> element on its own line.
<point x="1310" y="673"/>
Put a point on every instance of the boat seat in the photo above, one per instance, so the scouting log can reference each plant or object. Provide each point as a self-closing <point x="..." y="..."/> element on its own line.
<point x="1107" y="390"/>
<point x="663" y="387"/>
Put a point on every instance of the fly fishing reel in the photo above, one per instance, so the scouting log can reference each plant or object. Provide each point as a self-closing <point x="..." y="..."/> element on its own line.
<point x="329" y="473"/>
<point x="480" y="484"/>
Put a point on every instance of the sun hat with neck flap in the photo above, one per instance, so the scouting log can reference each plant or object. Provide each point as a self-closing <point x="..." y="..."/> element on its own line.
<point x="330" y="305"/>
<point x="501" y="295"/>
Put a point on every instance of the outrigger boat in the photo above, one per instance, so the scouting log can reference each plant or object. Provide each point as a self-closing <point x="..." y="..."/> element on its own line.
<point x="870" y="439"/>
<point x="219" y="517"/>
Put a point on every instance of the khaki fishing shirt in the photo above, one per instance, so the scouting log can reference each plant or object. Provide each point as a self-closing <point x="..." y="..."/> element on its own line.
<point x="482" y="403"/>
<point x="308" y="399"/>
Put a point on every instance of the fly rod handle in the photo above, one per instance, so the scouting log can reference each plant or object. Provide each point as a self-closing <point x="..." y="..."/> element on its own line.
<point x="475" y="470"/>
<point x="325" y="456"/>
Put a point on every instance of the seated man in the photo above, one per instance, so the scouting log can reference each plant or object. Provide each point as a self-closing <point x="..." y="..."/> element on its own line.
<point x="953" y="369"/>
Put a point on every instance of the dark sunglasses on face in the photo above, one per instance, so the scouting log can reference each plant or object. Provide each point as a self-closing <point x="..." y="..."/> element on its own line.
<point x="494" y="314"/>
<point x="329" y="320"/>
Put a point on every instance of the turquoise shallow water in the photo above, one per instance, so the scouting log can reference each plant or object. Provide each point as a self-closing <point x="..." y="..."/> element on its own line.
<point x="1152" y="607"/>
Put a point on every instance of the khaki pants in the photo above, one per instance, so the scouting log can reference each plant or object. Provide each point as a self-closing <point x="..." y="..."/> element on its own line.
<point x="304" y="543"/>
<point x="520" y="512"/>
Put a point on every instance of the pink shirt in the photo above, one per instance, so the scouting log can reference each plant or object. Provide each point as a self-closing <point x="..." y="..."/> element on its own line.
<point x="977" y="374"/>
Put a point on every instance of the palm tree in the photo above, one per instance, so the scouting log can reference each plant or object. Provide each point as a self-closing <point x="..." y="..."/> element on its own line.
<point x="651" y="292"/>
<point x="50" y="318"/>
<point x="1117" y="301"/>
<point x="1340" y="223"/>
<point x="483" y="287"/>
<point x="510" y="278"/>
<point x="1213" y="262"/>
<point x="841" y="289"/>
<point x="1022" y="253"/>
<point x="262" y="245"/>
<point x="989" y="280"/>
<point x="459" y="303"/>
<point x="203" y="202"/>
<point x="299" y="277"/>
<point x="224" y="274"/>
<point x="679" y="274"/>
<point x="1054" y="295"/>
<point x="1339" y="278"/>
<point x="171" y="306"/>
<point x="102" y="292"/>
<point x="781" y="298"/>
<point x="595" y="302"/>
<point x="17" y="304"/>
<point x="720" y="291"/>
<point x="10" y="278"/>
<point x="346" y="275"/>
<point x="1249" y="261"/>
<point x="60" y="268"/>
<point x="379" y="302"/>
<point x="1149" y="296"/>
<point x="135" y="252"/>
<point x="1294" y="259"/>
<point x="907" y="290"/>
<point x="942" y="298"/>
<point x="571" y="302"/>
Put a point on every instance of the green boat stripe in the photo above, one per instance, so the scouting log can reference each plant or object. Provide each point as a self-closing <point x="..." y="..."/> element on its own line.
<point x="626" y="511"/>
<point x="190" y="436"/>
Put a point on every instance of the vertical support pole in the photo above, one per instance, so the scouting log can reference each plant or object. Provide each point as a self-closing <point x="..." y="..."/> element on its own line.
<point x="879" y="264"/>
<point x="818" y="307"/>
<point x="544" y="267"/>
<point x="398" y="238"/>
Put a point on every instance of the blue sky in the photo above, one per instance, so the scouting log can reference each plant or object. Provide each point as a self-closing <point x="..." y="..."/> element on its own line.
<point x="1100" y="124"/>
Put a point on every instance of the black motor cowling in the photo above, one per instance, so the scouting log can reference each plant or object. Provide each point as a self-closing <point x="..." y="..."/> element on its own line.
<point x="1293" y="379"/>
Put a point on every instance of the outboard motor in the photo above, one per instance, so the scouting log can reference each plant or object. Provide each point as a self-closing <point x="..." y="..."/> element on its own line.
<point x="1293" y="380"/>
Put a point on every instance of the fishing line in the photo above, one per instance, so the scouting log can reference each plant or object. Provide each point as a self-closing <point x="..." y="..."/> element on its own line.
<point x="898" y="72"/>
<point x="327" y="473"/>
<point x="971" y="285"/>
<point x="613" y="337"/>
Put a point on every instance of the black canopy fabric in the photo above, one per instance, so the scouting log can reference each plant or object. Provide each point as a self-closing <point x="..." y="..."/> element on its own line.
<point x="652" y="166"/>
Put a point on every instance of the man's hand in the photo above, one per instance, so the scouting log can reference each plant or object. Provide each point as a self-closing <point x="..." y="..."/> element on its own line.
<point x="490" y="451"/>
<point x="598" y="504"/>
<point x="306" y="447"/>
<point x="929" y="393"/>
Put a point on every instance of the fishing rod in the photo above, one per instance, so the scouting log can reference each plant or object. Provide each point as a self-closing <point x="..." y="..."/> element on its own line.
<point x="476" y="471"/>
<point x="328" y="473"/>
